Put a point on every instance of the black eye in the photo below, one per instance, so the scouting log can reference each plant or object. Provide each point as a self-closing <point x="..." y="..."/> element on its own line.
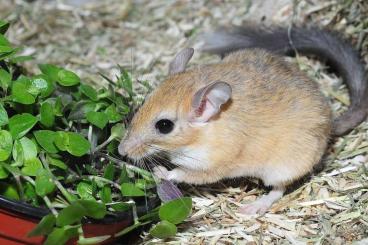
<point x="164" y="126"/>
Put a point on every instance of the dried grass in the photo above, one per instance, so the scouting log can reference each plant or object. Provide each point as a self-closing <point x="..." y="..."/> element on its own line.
<point x="329" y="208"/>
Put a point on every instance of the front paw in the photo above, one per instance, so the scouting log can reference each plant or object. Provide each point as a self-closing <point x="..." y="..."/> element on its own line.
<point x="161" y="172"/>
<point x="176" y="175"/>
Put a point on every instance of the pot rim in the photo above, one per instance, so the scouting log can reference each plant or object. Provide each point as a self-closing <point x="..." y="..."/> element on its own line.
<point x="38" y="213"/>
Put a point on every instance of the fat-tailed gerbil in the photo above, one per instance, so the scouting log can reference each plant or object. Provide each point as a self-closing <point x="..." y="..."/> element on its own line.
<point x="252" y="114"/>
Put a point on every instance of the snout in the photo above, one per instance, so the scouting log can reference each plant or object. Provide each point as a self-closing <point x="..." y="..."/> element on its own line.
<point x="122" y="148"/>
<point x="131" y="147"/>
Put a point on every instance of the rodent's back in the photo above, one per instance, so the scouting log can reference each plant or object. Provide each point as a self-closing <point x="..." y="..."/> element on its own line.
<point x="275" y="112"/>
<point x="267" y="90"/>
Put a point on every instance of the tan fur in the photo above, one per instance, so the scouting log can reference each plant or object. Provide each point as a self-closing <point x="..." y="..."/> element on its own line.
<point x="275" y="127"/>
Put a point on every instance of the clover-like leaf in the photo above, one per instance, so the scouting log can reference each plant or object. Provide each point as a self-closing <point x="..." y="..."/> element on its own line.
<point x="6" y="145"/>
<point x="105" y="194"/>
<point x="61" y="235"/>
<point x="4" y="42"/>
<point x="78" y="145"/>
<point x="47" y="117"/>
<point x="7" y="51"/>
<point x="3" y="173"/>
<point x="30" y="194"/>
<point x="50" y="70"/>
<point x="80" y="110"/>
<point x="109" y="172"/>
<point x="93" y="209"/>
<point x="67" y="78"/>
<point x="89" y="91"/>
<point x="5" y="79"/>
<point x="21" y="95"/>
<point x="44" y="183"/>
<point x="71" y="214"/>
<point x="99" y="119"/>
<point x="130" y="190"/>
<point x="4" y="26"/>
<point x="121" y="206"/>
<point x="57" y="163"/>
<point x="124" y="178"/>
<point x="45" y="138"/>
<point x="61" y="140"/>
<point x="21" y="58"/>
<point x="176" y="211"/>
<point x="17" y="153"/>
<point x="163" y="230"/>
<point x="58" y="107"/>
<point x="72" y="142"/>
<point x="43" y="85"/>
<point x="113" y="114"/>
<point x="29" y="148"/>
<point x="118" y="130"/>
<point x="85" y="190"/>
<point x="20" y="124"/>
<point x="9" y="191"/>
<point x="44" y="227"/>
<point x="3" y="116"/>
<point x="31" y="167"/>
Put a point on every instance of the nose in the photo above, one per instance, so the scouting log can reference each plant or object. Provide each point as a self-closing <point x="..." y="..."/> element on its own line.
<point x="122" y="148"/>
<point x="129" y="145"/>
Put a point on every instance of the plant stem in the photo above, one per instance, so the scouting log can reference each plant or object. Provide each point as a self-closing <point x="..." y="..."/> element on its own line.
<point x="134" y="210"/>
<point x="90" y="132"/>
<point x="56" y="182"/>
<point x="103" y="95"/>
<point x="91" y="177"/>
<point x="19" y="185"/>
<point x="112" y="203"/>
<point x="81" y="233"/>
<point x="6" y="98"/>
<point x="136" y="169"/>
<point x="103" y="144"/>
<point x="49" y="205"/>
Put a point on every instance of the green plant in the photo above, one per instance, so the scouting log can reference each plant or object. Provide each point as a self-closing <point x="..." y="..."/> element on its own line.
<point x="58" y="148"/>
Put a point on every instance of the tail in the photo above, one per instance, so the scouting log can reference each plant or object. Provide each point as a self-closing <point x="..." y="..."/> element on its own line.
<point x="340" y="55"/>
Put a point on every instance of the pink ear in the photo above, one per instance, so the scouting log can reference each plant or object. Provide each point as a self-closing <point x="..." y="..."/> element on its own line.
<point x="207" y="101"/>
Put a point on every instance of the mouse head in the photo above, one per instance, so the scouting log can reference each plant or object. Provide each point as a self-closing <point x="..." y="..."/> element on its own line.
<point x="174" y="115"/>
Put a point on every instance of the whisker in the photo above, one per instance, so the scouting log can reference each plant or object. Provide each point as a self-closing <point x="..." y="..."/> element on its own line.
<point x="162" y="160"/>
<point x="183" y="156"/>
<point x="180" y="154"/>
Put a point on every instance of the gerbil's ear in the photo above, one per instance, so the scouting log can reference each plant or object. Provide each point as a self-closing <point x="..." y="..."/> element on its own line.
<point x="180" y="61"/>
<point x="207" y="101"/>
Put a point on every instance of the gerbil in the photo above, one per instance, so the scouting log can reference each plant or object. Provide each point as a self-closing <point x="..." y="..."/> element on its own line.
<point x="252" y="114"/>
